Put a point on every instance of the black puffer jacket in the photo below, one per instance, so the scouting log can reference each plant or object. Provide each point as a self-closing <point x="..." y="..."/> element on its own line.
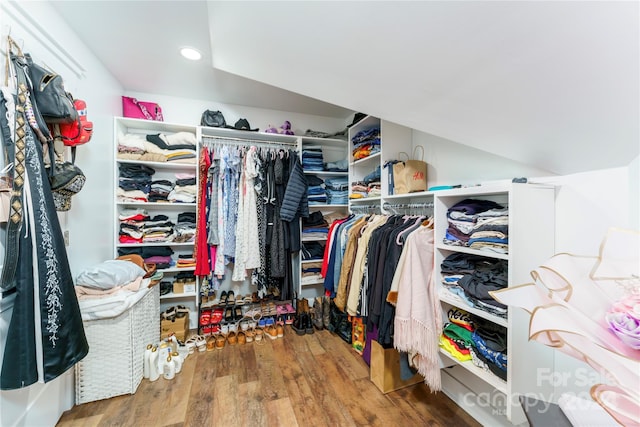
<point x="295" y="196"/>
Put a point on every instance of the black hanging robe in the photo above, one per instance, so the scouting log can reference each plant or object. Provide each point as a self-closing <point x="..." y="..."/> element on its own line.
<point x="46" y="335"/>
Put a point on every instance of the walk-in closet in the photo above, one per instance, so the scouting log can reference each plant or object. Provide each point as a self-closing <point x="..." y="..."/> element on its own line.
<point x="319" y="213"/>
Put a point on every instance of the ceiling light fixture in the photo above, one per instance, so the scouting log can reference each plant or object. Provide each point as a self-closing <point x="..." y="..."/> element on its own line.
<point x="191" y="53"/>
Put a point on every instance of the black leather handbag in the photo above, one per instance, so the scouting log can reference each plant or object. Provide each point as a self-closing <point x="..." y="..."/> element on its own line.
<point x="54" y="103"/>
<point x="213" y="119"/>
<point x="67" y="180"/>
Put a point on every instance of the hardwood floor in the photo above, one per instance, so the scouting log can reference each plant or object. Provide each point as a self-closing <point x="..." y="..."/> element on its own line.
<point x="309" y="380"/>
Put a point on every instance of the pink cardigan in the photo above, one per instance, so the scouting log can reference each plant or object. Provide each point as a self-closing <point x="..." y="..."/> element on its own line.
<point x="418" y="323"/>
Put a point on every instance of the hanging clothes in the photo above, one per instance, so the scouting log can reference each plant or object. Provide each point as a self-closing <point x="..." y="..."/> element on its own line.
<point x="201" y="249"/>
<point x="46" y="335"/>
<point x="247" y="255"/>
<point x="418" y="321"/>
<point x="246" y="188"/>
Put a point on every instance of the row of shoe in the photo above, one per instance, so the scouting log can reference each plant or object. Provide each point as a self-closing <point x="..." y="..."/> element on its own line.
<point x="174" y="312"/>
<point x="220" y="339"/>
<point x="228" y="298"/>
<point x="208" y="296"/>
<point x="167" y="286"/>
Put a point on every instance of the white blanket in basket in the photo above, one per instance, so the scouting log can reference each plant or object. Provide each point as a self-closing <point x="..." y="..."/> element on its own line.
<point x="112" y="306"/>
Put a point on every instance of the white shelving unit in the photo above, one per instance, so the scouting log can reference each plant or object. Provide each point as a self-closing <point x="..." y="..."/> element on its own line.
<point x="531" y="241"/>
<point x="332" y="150"/>
<point x="394" y="139"/>
<point x="163" y="170"/>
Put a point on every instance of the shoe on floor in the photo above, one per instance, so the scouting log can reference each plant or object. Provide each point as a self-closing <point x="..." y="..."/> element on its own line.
<point x="220" y="341"/>
<point x="211" y="343"/>
<point x="298" y="325"/>
<point x="232" y="338"/>
<point x="271" y="332"/>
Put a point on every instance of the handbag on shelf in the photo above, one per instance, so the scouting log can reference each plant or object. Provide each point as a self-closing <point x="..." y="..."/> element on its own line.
<point x="410" y="176"/>
<point x="214" y="119"/>
<point x="134" y="109"/>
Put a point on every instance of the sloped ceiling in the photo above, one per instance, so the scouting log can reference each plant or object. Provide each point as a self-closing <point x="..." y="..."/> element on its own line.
<point x="138" y="41"/>
<point x="551" y="84"/>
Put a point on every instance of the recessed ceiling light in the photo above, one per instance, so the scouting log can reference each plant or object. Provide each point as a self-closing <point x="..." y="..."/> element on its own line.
<point x="191" y="53"/>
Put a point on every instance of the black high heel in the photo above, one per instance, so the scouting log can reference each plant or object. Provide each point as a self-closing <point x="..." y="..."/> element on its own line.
<point x="228" y="314"/>
<point x="223" y="298"/>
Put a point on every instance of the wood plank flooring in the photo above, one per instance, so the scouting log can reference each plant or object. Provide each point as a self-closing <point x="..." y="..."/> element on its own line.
<point x="309" y="380"/>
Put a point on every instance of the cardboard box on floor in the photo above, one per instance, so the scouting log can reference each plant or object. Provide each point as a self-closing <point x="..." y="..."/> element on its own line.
<point x="385" y="369"/>
<point x="179" y="326"/>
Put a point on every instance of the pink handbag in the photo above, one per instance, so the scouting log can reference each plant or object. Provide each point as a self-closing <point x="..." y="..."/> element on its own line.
<point x="135" y="109"/>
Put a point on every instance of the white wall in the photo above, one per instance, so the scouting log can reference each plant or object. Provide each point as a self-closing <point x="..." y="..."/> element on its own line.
<point x="451" y="163"/>
<point x="85" y="77"/>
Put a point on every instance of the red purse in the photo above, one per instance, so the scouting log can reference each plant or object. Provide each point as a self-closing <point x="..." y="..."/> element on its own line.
<point x="76" y="133"/>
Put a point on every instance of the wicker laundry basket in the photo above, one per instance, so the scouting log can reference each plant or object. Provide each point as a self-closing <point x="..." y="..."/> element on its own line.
<point x="116" y="350"/>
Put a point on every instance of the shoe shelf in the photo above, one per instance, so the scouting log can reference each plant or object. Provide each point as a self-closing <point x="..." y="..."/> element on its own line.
<point x="230" y="316"/>
<point x="176" y="269"/>
<point x="171" y="295"/>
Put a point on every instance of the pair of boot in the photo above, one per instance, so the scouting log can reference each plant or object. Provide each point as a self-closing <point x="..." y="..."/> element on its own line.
<point x="320" y="312"/>
<point x="303" y="324"/>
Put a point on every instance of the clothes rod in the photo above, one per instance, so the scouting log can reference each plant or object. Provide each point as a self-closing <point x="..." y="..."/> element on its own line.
<point x="365" y="207"/>
<point x="224" y="139"/>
